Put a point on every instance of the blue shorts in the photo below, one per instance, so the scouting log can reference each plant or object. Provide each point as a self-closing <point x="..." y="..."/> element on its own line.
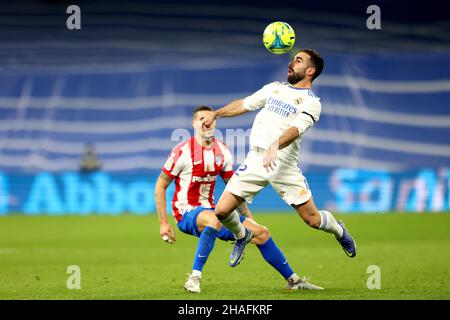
<point x="188" y="224"/>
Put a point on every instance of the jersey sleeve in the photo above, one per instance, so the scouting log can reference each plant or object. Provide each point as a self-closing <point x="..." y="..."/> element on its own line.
<point x="309" y="115"/>
<point x="174" y="163"/>
<point x="258" y="99"/>
<point x="227" y="170"/>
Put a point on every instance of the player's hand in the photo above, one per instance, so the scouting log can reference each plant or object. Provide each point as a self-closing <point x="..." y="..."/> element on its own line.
<point x="167" y="233"/>
<point x="208" y="120"/>
<point x="270" y="156"/>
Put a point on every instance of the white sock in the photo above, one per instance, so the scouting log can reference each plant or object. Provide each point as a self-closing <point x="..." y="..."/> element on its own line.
<point x="233" y="224"/>
<point x="330" y="225"/>
<point x="293" y="278"/>
<point x="196" y="273"/>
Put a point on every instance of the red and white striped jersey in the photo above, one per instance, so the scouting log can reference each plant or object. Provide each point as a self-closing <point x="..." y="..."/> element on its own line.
<point x="195" y="169"/>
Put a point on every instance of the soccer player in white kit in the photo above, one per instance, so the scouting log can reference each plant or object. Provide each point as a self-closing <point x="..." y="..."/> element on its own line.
<point x="287" y="111"/>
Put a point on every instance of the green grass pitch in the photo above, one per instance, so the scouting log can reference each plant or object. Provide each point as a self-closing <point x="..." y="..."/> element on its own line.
<point x="122" y="257"/>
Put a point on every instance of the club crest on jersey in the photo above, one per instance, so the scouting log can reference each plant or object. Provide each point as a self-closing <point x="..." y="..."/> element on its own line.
<point x="298" y="101"/>
<point x="219" y="160"/>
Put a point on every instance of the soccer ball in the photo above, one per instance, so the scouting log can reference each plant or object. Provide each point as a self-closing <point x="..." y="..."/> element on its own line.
<point x="279" y="37"/>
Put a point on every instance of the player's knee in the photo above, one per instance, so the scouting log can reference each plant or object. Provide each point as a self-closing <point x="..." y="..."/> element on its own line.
<point x="213" y="222"/>
<point x="262" y="234"/>
<point x="216" y="224"/>
<point x="265" y="234"/>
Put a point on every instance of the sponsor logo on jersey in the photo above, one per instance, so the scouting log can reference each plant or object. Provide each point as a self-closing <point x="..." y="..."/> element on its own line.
<point x="208" y="178"/>
<point x="281" y="108"/>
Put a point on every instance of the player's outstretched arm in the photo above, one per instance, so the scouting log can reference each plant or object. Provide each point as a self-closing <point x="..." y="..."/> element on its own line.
<point x="232" y="109"/>
<point x="165" y="229"/>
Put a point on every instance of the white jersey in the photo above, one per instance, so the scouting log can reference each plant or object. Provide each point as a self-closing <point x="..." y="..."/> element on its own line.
<point x="282" y="106"/>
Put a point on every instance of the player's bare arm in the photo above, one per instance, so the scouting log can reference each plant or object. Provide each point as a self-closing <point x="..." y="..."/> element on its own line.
<point x="232" y="109"/>
<point x="289" y="136"/>
<point x="285" y="139"/>
<point x="165" y="229"/>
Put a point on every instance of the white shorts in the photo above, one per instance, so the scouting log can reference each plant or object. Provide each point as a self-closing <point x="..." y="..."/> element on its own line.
<point x="251" y="177"/>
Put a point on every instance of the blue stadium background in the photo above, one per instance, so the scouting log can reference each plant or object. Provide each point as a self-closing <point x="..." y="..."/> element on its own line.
<point x="128" y="80"/>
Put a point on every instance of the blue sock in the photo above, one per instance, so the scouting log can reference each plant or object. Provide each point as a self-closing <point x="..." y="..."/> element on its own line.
<point x="204" y="247"/>
<point x="273" y="255"/>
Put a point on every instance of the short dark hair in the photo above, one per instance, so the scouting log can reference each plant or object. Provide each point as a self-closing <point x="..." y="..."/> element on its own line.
<point x="201" y="108"/>
<point x="316" y="59"/>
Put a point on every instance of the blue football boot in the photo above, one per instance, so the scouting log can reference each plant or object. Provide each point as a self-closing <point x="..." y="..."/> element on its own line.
<point x="238" y="251"/>
<point x="347" y="242"/>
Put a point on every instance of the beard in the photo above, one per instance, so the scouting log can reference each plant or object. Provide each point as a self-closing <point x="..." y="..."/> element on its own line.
<point x="293" y="78"/>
